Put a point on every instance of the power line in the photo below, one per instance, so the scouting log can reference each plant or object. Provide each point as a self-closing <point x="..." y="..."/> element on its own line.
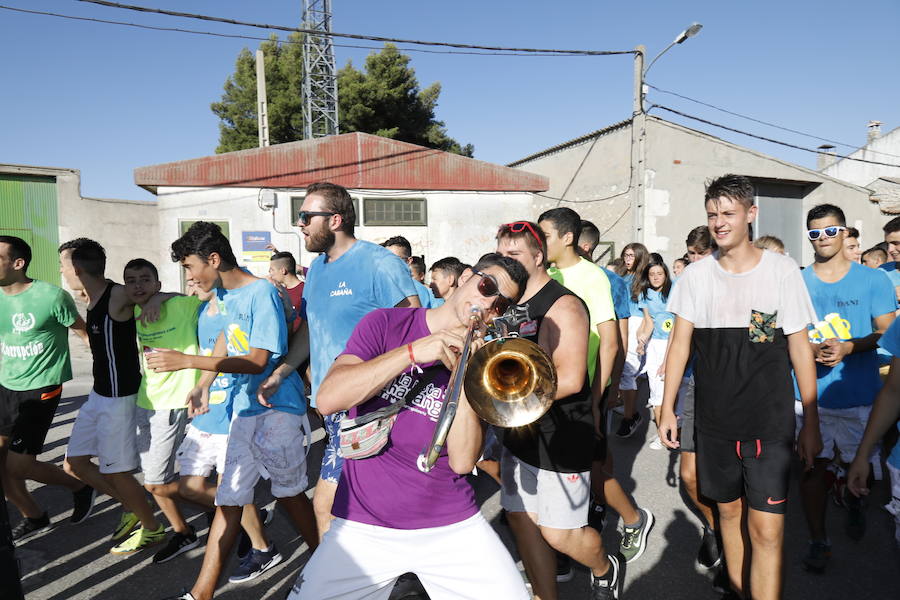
<point x="354" y="36"/>
<point x="755" y="120"/>
<point x="766" y="139"/>
<point x="265" y="39"/>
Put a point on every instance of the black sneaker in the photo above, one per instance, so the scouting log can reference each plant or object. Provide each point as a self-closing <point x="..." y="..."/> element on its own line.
<point x="255" y="564"/>
<point x="628" y="426"/>
<point x="83" y="504"/>
<point x="817" y="556"/>
<point x="608" y="586"/>
<point x="408" y="587"/>
<point x="184" y="596"/>
<point x="564" y="572"/>
<point x="244" y="544"/>
<point x="179" y="543"/>
<point x="597" y="516"/>
<point x="28" y="527"/>
<point x="710" y="555"/>
<point x="721" y="583"/>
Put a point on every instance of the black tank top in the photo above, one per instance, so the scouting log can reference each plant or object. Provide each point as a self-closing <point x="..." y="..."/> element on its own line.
<point x="563" y="439"/>
<point x="117" y="370"/>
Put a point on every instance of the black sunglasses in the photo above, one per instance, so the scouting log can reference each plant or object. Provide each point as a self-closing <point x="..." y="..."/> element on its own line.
<point x="305" y="215"/>
<point x="489" y="287"/>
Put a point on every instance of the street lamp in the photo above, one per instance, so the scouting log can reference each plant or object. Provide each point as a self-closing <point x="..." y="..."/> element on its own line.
<point x="690" y="32"/>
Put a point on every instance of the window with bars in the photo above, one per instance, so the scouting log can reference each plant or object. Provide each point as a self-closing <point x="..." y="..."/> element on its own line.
<point x="394" y="211"/>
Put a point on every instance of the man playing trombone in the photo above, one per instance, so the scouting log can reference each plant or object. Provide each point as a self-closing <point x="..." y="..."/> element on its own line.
<point x="545" y="467"/>
<point x="391" y="517"/>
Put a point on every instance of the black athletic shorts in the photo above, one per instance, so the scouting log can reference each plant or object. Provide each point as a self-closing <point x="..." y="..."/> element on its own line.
<point x="757" y="469"/>
<point x="26" y="417"/>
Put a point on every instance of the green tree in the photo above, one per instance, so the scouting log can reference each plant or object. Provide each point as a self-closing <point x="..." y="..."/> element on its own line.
<point x="384" y="100"/>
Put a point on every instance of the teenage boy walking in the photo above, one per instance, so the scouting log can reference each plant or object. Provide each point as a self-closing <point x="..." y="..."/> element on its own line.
<point x="745" y="314"/>
<point x="848" y="298"/>
<point x="106" y="424"/>
<point x="35" y="317"/>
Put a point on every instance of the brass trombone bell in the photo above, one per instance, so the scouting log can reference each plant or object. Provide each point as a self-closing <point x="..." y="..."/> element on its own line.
<point x="510" y="382"/>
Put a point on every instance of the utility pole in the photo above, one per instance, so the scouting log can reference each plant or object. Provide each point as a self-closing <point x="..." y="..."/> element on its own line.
<point x="262" y="107"/>
<point x="639" y="135"/>
<point x="320" y="112"/>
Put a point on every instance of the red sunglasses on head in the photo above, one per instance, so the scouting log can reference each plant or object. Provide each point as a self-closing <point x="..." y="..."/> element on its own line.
<point x="520" y="226"/>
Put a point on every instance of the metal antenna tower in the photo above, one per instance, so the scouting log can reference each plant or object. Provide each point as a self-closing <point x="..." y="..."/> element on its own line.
<point x="320" y="113"/>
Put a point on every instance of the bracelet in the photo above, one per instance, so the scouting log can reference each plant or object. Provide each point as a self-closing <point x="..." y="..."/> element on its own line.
<point x="412" y="361"/>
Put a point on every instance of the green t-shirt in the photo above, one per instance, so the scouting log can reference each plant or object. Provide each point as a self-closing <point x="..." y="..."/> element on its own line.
<point x="34" y="339"/>
<point x="176" y="329"/>
<point x="590" y="284"/>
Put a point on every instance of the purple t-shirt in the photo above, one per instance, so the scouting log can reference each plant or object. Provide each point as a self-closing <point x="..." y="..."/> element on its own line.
<point x="388" y="490"/>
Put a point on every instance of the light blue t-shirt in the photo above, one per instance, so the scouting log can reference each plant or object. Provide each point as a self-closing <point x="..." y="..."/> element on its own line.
<point x="218" y="419"/>
<point x="254" y="318"/>
<point x="341" y="292"/>
<point x="663" y="320"/>
<point x="845" y="310"/>
<point x="892" y="272"/>
<point x="426" y="297"/>
<point x="890" y="341"/>
<point x="634" y="305"/>
<point x="620" y="293"/>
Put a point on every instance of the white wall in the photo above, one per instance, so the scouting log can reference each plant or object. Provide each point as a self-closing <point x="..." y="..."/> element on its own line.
<point x="884" y="149"/>
<point x="461" y="224"/>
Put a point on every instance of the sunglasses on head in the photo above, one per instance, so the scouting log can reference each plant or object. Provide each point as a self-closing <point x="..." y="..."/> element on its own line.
<point x="306" y="215"/>
<point x="520" y="226"/>
<point x="488" y="287"/>
<point x="829" y="232"/>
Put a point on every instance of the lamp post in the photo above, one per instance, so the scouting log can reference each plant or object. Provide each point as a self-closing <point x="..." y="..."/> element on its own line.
<point x="639" y="121"/>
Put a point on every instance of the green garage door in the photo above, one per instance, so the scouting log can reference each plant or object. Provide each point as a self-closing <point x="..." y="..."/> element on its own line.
<point x="28" y="210"/>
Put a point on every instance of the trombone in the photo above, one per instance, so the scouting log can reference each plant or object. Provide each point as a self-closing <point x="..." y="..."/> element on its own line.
<point x="509" y="382"/>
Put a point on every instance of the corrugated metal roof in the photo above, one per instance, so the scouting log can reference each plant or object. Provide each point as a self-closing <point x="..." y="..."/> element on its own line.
<point x="353" y="160"/>
<point x="575" y="142"/>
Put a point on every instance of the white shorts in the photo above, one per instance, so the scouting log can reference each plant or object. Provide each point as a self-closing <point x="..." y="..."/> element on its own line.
<point x="842" y="430"/>
<point x="107" y="428"/>
<point x="558" y="500"/>
<point x="893" y="506"/>
<point x="656" y="354"/>
<point x="634" y="364"/>
<point x="159" y="435"/>
<point x="201" y="452"/>
<point x="270" y="445"/>
<point x="462" y="561"/>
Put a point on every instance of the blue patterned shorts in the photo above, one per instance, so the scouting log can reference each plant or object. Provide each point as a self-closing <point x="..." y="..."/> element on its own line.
<point x="333" y="460"/>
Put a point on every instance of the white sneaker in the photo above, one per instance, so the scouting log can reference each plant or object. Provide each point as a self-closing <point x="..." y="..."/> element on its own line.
<point x="656" y="444"/>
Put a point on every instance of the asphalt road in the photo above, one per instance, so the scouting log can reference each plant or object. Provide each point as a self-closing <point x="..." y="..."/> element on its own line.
<point x="71" y="562"/>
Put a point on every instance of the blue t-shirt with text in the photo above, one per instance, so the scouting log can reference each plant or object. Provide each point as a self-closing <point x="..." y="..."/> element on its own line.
<point x="845" y="310"/>
<point x="663" y="320"/>
<point x="218" y="419"/>
<point x="254" y="318"/>
<point x="339" y="293"/>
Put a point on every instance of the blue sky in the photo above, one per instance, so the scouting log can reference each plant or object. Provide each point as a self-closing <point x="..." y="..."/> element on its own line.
<point x="106" y="99"/>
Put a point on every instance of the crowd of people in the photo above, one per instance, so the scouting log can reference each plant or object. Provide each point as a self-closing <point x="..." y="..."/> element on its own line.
<point x="751" y="363"/>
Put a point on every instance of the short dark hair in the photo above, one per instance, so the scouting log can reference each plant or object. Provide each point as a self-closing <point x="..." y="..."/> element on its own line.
<point x="450" y="265"/>
<point x="589" y="234"/>
<point x="701" y="239"/>
<point x="892" y="226"/>
<point x="399" y="240"/>
<point x="417" y="264"/>
<point x="565" y="220"/>
<point x="875" y="250"/>
<point x="735" y="187"/>
<point x="287" y="258"/>
<point x="853" y="232"/>
<point x="821" y="211"/>
<point x="141" y="263"/>
<point x="87" y="255"/>
<point x="18" y="248"/>
<point x="203" y="239"/>
<point x="338" y="201"/>
<point x="535" y="244"/>
<point x="513" y="268"/>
